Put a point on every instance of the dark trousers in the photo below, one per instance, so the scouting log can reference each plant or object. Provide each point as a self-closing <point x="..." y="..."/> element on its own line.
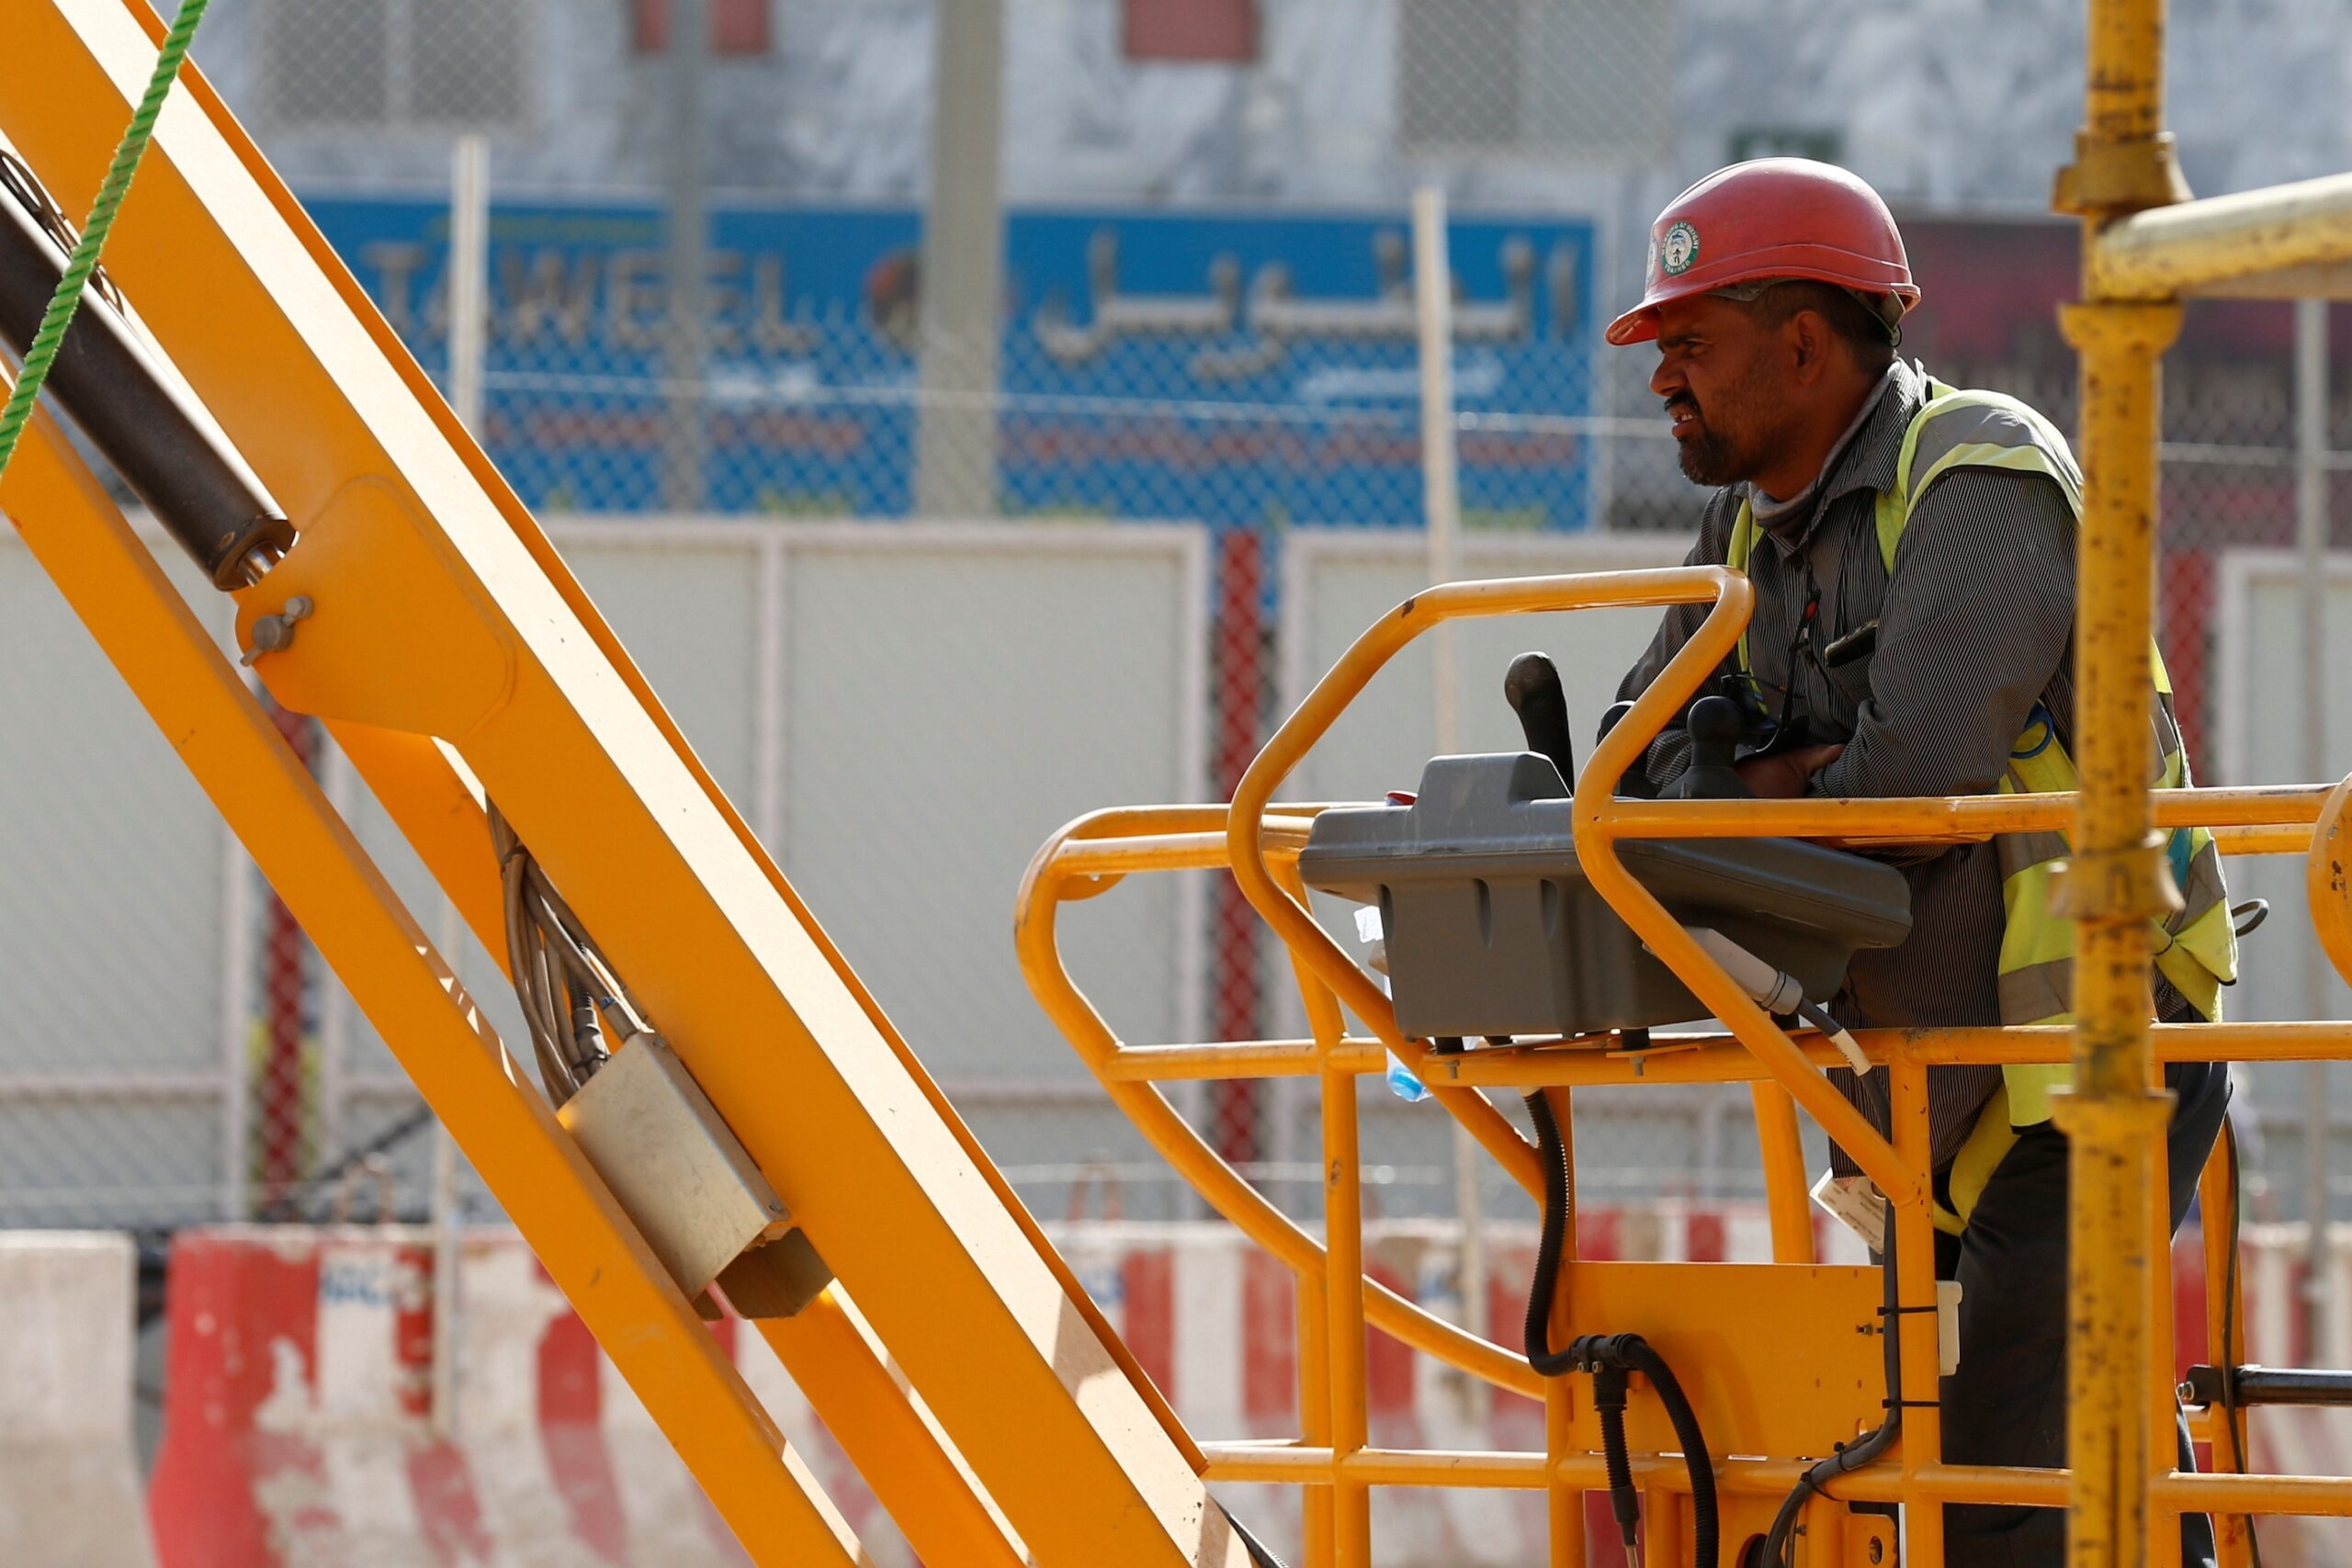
<point x="2007" y="1403"/>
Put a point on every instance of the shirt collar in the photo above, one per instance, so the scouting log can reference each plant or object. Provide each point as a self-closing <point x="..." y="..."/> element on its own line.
<point x="1864" y="459"/>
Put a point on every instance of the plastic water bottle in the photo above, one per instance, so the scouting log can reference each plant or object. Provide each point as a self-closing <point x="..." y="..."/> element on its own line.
<point x="1402" y="1083"/>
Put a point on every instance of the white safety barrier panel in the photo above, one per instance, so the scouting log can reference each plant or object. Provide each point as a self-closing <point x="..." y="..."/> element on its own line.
<point x="69" y="1485"/>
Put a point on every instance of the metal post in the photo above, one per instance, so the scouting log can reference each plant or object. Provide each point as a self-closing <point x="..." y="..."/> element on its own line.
<point x="2311" y="534"/>
<point x="1441" y="493"/>
<point x="447" y="1218"/>
<point x="468" y="276"/>
<point x="2117" y="881"/>
<point x="237" y="1023"/>
<point x="469" y="353"/>
<point x="2115" y="885"/>
<point x="685" y="440"/>
<point x="963" y="267"/>
<point x="1343" y="1315"/>
<point x="1441" y="497"/>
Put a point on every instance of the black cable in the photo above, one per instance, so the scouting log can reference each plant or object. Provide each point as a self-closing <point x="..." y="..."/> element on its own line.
<point x="1609" y="1358"/>
<point x="1551" y="1150"/>
<point x="1705" y="1530"/>
<point x="1260" y="1553"/>
<point x="1853" y="1456"/>
<point x="1609" y="1404"/>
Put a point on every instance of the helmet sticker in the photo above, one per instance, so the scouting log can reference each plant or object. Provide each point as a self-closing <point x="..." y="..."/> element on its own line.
<point x="1679" y="249"/>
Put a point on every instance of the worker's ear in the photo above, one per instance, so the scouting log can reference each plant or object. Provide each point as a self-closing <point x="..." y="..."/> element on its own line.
<point x="1810" y="344"/>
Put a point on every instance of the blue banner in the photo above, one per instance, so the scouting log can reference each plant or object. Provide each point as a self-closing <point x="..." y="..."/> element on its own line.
<point x="1221" y="366"/>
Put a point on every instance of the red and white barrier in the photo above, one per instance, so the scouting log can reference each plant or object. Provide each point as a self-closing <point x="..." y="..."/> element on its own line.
<point x="299" y="1427"/>
<point x="69" y="1483"/>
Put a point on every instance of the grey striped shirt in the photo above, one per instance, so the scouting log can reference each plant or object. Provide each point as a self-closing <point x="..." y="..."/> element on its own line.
<point x="1975" y="628"/>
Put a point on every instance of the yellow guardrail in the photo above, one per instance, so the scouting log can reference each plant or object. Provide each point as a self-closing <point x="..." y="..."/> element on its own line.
<point x="1259" y="841"/>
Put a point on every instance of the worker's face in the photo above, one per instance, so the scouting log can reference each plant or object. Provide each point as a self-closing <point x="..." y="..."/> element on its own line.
<point x="1727" y="388"/>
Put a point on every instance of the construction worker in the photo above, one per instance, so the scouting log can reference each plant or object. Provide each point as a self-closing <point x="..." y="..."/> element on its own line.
<point x="1913" y="550"/>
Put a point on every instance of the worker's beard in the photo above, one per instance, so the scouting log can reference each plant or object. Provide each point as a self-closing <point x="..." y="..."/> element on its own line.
<point x="1735" y="439"/>
<point x="1713" y="458"/>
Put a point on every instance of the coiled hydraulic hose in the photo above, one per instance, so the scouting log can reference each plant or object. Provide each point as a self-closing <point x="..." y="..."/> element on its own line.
<point x="1611" y="1359"/>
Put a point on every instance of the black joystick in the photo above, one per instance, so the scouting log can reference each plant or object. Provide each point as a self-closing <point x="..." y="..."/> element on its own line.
<point x="1533" y="688"/>
<point x="1635" y="780"/>
<point x="1716" y="731"/>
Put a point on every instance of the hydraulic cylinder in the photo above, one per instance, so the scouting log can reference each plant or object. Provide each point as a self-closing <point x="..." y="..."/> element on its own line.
<point x="134" y="407"/>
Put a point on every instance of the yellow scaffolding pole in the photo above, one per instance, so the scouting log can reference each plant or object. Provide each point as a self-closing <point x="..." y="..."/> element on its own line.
<point x="2144" y="243"/>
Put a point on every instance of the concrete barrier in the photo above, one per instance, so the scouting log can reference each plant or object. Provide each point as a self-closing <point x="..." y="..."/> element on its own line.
<point x="69" y="1483"/>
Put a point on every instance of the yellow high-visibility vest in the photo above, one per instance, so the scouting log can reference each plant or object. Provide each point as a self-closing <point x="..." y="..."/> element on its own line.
<point x="2196" y="947"/>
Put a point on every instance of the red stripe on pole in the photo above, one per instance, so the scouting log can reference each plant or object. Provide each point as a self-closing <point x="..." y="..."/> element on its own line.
<point x="281" y="1109"/>
<point x="1238" y="669"/>
<point x="1224" y="31"/>
<point x="2184" y="603"/>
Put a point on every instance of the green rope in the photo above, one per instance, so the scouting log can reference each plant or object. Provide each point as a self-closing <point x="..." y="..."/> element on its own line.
<point x="85" y="260"/>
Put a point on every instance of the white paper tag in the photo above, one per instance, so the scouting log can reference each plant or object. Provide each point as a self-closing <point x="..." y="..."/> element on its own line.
<point x="1854" y="1204"/>
<point x="1375" y="944"/>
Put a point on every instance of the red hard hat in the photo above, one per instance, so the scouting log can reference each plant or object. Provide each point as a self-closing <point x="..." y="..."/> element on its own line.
<point x="1770" y="218"/>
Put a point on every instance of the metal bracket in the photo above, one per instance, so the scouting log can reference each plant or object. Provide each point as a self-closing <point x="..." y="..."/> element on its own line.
<point x="1870" y="1541"/>
<point x="2115" y="1118"/>
<point x="271" y="633"/>
<point x="2115" y="885"/>
<point x="2109" y="178"/>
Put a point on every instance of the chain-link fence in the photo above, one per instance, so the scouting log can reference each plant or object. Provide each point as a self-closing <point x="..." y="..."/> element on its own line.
<point x="1201" y="315"/>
